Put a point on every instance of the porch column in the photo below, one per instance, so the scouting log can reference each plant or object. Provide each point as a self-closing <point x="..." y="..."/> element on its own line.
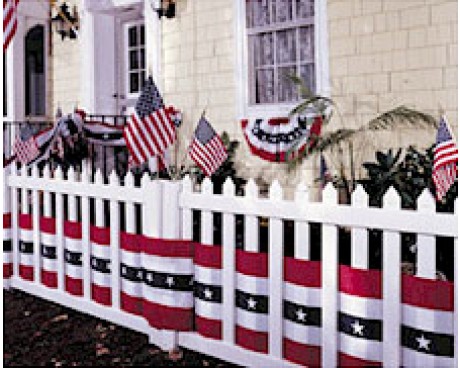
<point x="153" y="43"/>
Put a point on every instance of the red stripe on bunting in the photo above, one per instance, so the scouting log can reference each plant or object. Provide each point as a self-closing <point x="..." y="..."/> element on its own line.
<point x="206" y="327"/>
<point x="345" y="360"/>
<point x="302" y="272"/>
<point x="363" y="283"/>
<point x="208" y="256"/>
<point x="307" y="355"/>
<point x="6" y="220"/>
<point x="167" y="248"/>
<point x="49" y="278"/>
<point x="430" y="294"/>
<point x="25" y="221"/>
<point x="101" y="294"/>
<point x="48" y="225"/>
<point x="131" y="304"/>
<point x="100" y="235"/>
<point x="252" y="340"/>
<point x="166" y="317"/>
<point x="74" y="286"/>
<point x="72" y="229"/>
<point x="26" y="272"/>
<point x="7" y="270"/>
<point x="252" y="263"/>
<point x="131" y="242"/>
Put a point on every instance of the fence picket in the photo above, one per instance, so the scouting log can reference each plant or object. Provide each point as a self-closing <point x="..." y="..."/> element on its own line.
<point x="36" y="227"/>
<point x="301" y="228"/>
<point x="187" y="187"/>
<point x="206" y="216"/>
<point x="359" y="239"/>
<point x="228" y="264"/>
<point x="276" y="257"/>
<point x="251" y="223"/>
<point x="58" y="176"/>
<point x="329" y="278"/>
<point x="426" y="244"/>
<point x="391" y="286"/>
<point x="115" y="281"/>
<point x="14" y="223"/>
<point x="85" y="235"/>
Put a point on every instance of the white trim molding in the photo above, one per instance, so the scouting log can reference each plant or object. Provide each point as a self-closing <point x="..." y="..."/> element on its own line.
<point x="244" y="108"/>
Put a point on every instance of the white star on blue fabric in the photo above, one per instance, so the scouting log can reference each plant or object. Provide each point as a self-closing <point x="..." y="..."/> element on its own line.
<point x="357" y="328"/>
<point x="301" y="315"/>
<point x="423" y="343"/>
<point x="170" y="281"/>
<point x="252" y="303"/>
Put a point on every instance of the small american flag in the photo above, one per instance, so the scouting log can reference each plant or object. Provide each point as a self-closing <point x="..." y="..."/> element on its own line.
<point x="26" y="151"/>
<point x="207" y="149"/>
<point x="10" y="22"/>
<point x="445" y="160"/>
<point x="150" y="131"/>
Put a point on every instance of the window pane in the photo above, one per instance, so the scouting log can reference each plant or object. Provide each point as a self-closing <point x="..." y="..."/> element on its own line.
<point x="35" y="81"/>
<point x="142" y="58"/>
<point x="283" y="10"/>
<point x="307" y="73"/>
<point x="133" y="60"/>
<point x="287" y="91"/>
<point x="142" y="31"/>
<point x="265" y="86"/>
<point x="286" y="46"/>
<point x="143" y="79"/>
<point x="132" y="36"/>
<point x="133" y="82"/>
<point x="258" y="13"/>
<point x="306" y="44"/>
<point x="305" y="8"/>
<point x="263" y="49"/>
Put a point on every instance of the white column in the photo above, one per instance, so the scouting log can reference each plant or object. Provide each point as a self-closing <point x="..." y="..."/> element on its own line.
<point x="153" y="43"/>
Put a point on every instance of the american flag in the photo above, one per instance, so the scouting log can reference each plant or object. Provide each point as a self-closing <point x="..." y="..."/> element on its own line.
<point x="445" y="160"/>
<point x="26" y="151"/>
<point x="150" y="131"/>
<point x="10" y="22"/>
<point x="207" y="149"/>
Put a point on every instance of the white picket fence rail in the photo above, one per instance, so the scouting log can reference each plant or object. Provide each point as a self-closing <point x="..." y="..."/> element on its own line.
<point x="167" y="213"/>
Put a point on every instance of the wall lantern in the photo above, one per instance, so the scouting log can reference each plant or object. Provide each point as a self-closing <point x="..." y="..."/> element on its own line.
<point x="165" y="8"/>
<point x="66" y="24"/>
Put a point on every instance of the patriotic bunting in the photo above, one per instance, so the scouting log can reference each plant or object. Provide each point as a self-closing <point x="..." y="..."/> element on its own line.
<point x="100" y="265"/>
<point x="7" y="247"/>
<point x="73" y="258"/>
<point x="48" y="251"/>
<point x="132" y="274"/>
<point x="26" y="247"/>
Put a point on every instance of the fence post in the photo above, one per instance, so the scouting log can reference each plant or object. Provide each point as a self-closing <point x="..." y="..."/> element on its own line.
<point x="251" y="223"/>
<point x="276" y="258"/>
<point x="359" y="239"/>
<point x="7" y="232"/>
<point x="206" y="216"/>
<point x="58" y="175"/>
<point x="85" y="236"/>
<point x="115" y="244"/>
<point x="329" y="277"/>
<point x="36" y="227"/>
<point x="15" y="223"/>
<point x="228" y="266"/>
<point x="391" y="286"/>
<point x="426" y="244"/>
<point x="302" y="230"/>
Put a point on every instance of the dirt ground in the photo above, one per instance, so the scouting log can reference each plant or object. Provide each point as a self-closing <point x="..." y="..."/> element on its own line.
<point x="37" y="332"/>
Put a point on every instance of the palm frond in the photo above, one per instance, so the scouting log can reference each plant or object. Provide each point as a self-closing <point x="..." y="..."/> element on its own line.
<point x="398" y="116"/>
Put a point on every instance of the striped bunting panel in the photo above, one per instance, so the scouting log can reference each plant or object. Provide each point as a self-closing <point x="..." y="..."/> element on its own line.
<point x="100" y="265"/>
<point x="360" y="317"/>
<point x="48" y="251"/>
<point x="132" y="274"/>
<point x="7" y="247"/>
<point x="26" y="247"/>
<point x="427" y="330"/>
<point x="208" y="290"/>
<point x="167" y="287"/>
<point x="302" y="312"/>
<point x="252" y="300"/>
<point x="73" y="258"/>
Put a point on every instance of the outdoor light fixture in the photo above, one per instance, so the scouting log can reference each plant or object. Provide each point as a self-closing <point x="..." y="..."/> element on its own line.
<point x="165" y="8"/>
<point x="65" y="23"/>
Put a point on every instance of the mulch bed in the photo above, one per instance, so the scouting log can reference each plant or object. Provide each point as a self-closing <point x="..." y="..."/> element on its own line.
<point x="37" y="332"/>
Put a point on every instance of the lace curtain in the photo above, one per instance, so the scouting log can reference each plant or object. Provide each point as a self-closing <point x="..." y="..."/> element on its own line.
<point x="281" y="43"/>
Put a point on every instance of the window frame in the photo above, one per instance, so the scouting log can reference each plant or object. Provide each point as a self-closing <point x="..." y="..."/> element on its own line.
<point x="321" y="64"/>
<point x="126" y="50"/>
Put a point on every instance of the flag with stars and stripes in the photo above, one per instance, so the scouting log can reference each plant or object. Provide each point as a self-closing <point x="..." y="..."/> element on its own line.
<point x="360" y="318"/>
<point x="150" y="130"/>
<point x="427" y="326"/>
<point x="26" y="150"/>
<point x="208" y="290"/>
<point x="207" y="149"/>
<point x="302" y="312"/>
<point x="10" y="21"/>
<point x="445" y="163"/>
<point x="252" y="300"/>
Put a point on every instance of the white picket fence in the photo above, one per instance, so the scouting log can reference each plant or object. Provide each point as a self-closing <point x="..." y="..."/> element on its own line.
<point x="167" y="213"/>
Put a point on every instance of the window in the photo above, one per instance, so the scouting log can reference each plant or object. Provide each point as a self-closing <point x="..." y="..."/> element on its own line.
<point x="135" y="58"/>
<point x="281" y="42"/>
<point x="35" y="94"/>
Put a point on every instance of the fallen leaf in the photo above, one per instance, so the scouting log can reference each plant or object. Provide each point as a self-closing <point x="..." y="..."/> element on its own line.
<point x="61" y="317"/>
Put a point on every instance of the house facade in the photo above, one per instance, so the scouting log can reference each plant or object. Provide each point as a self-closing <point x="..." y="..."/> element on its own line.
<point x="231" y="58"/>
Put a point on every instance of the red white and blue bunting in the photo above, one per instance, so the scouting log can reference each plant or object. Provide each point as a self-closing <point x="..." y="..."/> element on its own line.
<point x="279" y="139"/>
